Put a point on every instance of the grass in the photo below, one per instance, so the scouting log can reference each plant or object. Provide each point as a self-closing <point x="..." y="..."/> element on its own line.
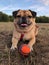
<point x="8" y="26"/>
<point x="4" y="55"/>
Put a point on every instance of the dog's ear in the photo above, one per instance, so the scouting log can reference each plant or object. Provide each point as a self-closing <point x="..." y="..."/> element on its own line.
<point x="33" y="13"/>
<point x="15" y="13"/>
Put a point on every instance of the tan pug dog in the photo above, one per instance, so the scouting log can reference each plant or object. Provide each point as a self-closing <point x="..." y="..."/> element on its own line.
<point x="24" y="23"/>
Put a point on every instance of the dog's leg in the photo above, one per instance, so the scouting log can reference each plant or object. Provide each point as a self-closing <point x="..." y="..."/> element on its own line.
<point x="31" y="43"/>
<point x="14" y="43"/>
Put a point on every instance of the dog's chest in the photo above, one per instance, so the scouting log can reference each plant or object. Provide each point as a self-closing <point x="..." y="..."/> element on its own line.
<point x="27" y="36"/>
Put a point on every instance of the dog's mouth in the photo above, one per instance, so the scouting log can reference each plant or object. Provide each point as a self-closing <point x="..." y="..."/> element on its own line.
<point x="23" y="25"/>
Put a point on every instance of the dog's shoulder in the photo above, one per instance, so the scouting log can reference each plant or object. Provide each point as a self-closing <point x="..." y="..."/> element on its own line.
<point x="16" y="34"/>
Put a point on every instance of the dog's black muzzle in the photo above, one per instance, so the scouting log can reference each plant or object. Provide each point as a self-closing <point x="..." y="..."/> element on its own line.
<point x="23" y="22"/>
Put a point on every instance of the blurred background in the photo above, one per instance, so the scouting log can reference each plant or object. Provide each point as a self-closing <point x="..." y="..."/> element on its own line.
<point x="40" y="6"/>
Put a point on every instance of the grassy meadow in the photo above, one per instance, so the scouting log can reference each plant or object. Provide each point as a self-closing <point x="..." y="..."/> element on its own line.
<point x="8" y="26"/>
<point x="42" y="57"/>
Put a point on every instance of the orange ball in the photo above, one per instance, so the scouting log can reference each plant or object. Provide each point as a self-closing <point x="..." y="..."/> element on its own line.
<point x="25" y="50"/>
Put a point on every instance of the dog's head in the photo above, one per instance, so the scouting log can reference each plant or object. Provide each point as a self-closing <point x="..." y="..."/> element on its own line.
<point x="24" y="19"/>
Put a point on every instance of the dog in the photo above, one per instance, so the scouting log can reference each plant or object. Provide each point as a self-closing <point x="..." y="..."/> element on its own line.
<point x="24" y="23"/>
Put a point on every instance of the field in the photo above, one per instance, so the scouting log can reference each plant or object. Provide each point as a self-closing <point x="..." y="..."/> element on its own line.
<point x="41" y="54"/>
<point x="43" y="27"/>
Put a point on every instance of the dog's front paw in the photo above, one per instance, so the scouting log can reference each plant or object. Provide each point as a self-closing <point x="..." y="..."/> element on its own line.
<point x="31" y="48"/>
<point x="13" y="48"/>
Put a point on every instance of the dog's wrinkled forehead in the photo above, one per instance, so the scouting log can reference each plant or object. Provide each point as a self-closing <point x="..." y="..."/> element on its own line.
<point x="24" y="13"/>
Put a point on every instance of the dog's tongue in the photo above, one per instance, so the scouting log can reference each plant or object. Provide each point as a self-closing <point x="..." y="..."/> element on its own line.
<point x="23" y="24"/>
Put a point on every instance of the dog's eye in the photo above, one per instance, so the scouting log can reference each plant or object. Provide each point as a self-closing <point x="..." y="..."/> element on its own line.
<point x="18" y="16"/>
<point x="29" y="16"/>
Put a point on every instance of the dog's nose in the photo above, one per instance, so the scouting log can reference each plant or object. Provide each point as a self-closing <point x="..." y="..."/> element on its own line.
<point x="24" y="19"/>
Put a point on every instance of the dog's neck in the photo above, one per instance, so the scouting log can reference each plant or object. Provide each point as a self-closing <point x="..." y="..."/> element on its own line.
<point x="22" y="32"/>
<point x="22" y="35"/>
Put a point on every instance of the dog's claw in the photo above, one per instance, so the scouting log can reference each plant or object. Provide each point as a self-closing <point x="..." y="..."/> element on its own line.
<point x="13" y="48"/>
<point x="31" y="48"/>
